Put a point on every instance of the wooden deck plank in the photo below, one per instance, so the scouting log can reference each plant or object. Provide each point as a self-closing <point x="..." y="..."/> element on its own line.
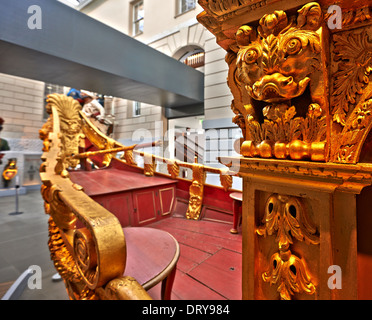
<point x="214" y="229"/>
<point x="200" y="239"/>
<point x="187" y="288"/>
<point x="209" y="267"/>
<point x="190" y="257"/>
<point x="192" y="239"/>
<point x="227" y="265"/>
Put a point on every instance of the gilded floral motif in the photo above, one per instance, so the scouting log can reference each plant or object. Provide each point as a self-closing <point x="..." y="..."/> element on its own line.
<point x="286" y="217"/>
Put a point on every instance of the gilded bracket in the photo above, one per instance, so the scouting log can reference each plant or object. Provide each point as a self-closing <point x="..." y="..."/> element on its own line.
<point x="149" y="164"/>
<point x="129" y="157"/>
<point x="226" y="179"/>
<point x="173" y="169"/>
<point x="196" y="192"/>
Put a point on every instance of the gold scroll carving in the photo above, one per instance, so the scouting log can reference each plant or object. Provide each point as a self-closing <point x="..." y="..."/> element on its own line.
<point x="89" y="258"/>
<point x="173" y="169"/>
<point x="286" y="217"/>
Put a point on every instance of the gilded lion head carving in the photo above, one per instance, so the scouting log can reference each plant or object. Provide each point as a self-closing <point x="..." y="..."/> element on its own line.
<point x="277" y="76"/>
<point x="281" y="58"/>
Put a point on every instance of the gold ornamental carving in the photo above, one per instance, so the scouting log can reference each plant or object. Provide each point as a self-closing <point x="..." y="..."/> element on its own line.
<point x="99" y="140"/>
<point x="62" y="216"/>
<point x="354" y="16"/>
<point x="85" y="254"/>
<point x="173" y="169"/>
<point x="352" y="93"/>
<point x="196" y="192"/>
<point x="225" y="10"/>
<point x="125" y="288"/>
<point x="128" y="157"/>
<point x="88" y="258"/>
<point x="69" y="126"/>
<point x="278" y="67"/>
<point x="64" y="263"/>
<point x="290" y="274"/>
<point x="149" y="166"/>
<point x="286" y="217"/>
<point x="293" y="98"/>
<point x="226" y="179"/>
<point x="227" y="6"/>
<point x="44" y="133"/>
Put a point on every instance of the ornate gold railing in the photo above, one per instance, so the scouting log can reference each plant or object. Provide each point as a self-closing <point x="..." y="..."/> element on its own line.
<point x="109" y="148"/>
<point x="91" y="260"/>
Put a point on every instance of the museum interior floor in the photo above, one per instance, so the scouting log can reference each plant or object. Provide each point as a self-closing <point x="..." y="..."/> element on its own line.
<point x="209" y="267"/>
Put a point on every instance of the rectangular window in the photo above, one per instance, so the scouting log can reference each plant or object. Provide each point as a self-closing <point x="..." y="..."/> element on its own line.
<point x="136" y="109"/>
<point x="185" y="5"/>
<point x="138" y="17"/>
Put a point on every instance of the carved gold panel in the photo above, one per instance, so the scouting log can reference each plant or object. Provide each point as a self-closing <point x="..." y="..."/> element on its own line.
<point x="278" y="78"/>
<point x="301" y="89"/>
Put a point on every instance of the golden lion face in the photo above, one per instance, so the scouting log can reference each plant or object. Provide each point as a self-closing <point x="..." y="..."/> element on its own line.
<point x="279" y="68"/>
<point x="277" y="63"/>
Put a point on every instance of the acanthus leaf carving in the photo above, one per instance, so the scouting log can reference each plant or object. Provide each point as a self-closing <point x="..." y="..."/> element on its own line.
<point x="352" y="91"/>
<point x="70" y="127"/>
<point x="291" y="276"/>
<point x="286" y="217"/>
<point x="354" y="51"/>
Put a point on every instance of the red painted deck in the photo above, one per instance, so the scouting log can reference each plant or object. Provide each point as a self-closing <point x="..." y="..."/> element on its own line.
<point x="209" y="267"/>
<point x="110" y="181"/>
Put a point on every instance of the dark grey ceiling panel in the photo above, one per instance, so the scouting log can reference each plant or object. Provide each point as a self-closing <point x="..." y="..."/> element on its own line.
<point x="75" y="50"/>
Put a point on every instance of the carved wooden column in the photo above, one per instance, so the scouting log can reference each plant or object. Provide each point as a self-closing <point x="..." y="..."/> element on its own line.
<point x="303" y="98"/>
